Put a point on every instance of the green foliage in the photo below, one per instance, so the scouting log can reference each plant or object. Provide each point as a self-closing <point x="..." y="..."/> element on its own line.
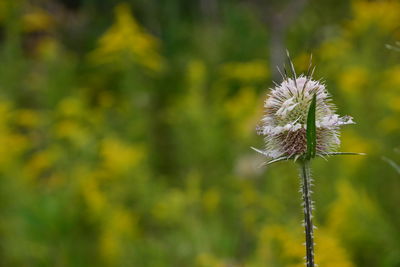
<point x="126" y="127"/>
<point x="311" y="133"/>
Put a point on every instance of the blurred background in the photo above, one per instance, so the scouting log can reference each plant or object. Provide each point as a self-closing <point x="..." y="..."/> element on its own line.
<point x="126" y="127"/>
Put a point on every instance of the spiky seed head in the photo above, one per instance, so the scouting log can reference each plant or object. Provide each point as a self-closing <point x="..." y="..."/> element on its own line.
<point x="285" y="121"/>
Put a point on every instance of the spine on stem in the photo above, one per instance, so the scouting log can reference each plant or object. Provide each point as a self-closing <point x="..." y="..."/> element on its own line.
<point x="306" y="181"/>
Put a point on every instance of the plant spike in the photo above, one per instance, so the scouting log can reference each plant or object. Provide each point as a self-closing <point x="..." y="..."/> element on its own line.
<point x="300" y="124"/>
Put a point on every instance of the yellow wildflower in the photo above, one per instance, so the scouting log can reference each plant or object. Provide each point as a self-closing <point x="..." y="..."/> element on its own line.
<point x="119" y="156"/>
<point x="126" y="40"/>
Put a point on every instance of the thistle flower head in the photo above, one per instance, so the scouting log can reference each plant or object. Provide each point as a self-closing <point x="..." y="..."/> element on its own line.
<point x="285" y="121"/>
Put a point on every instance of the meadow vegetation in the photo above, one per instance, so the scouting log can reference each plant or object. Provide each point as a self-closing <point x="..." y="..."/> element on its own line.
<point x="126" y="127"/>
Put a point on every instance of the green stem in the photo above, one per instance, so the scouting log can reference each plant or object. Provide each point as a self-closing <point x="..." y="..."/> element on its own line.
<point x="308" y="207"/>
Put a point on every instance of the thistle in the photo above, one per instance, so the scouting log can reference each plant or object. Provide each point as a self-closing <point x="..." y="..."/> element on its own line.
<point x="300" y="123"/>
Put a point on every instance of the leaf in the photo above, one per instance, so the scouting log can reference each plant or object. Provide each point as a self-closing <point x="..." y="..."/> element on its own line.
<point x="260" y="151"/>
<point x="311" y="132"/>
<point x="343" y="154"/>
<point x="278" y="160"/>
<point x="272" y="160"/>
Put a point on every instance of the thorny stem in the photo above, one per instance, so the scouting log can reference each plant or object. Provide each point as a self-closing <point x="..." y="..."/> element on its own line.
<point x="308" y="207"/>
